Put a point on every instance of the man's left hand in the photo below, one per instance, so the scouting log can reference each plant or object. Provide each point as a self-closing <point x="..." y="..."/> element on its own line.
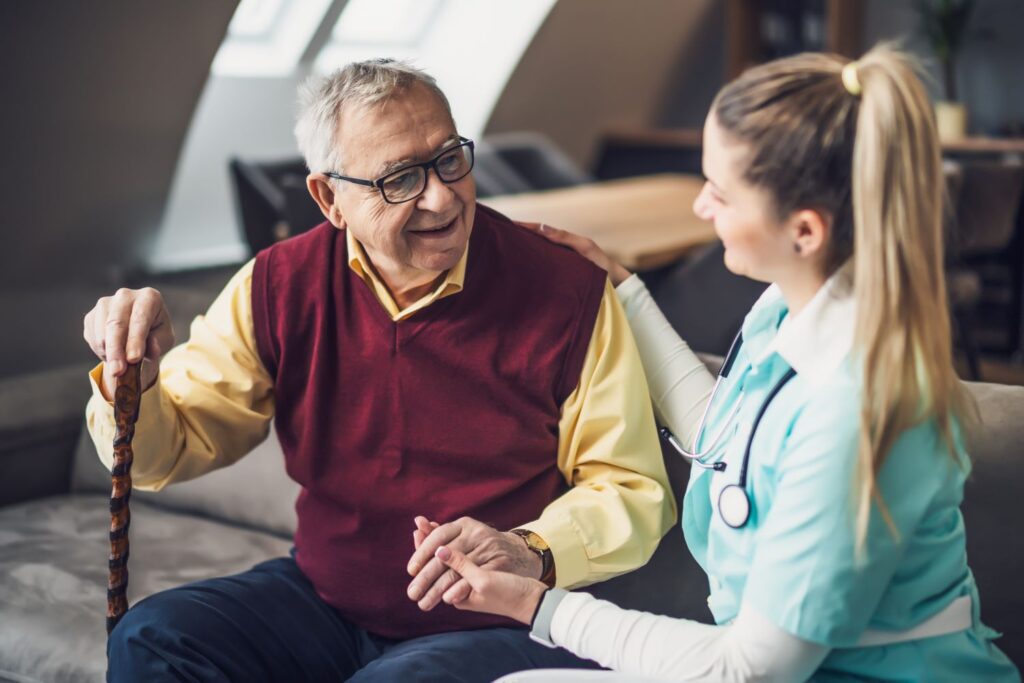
<point x="484" y="545"/>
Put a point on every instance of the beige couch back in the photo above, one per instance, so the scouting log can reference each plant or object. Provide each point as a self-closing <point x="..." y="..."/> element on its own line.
<point x="257" y="492"/>
<point x="254" y="492"/>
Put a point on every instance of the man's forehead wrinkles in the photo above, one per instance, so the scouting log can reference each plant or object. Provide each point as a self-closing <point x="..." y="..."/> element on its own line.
<point x="396" y="164"/>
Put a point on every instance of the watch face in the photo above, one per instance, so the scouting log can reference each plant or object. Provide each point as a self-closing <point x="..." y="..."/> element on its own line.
<point x="537" y="545"/>
<point x="536" y="542"/>
<point x="533" y="541"/>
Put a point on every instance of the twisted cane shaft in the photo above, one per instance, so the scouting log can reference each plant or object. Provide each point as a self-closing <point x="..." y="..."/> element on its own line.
<point x="126" y="412"/>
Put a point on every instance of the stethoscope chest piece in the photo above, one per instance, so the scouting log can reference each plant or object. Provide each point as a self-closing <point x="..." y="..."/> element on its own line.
<point x="734" y="506"/>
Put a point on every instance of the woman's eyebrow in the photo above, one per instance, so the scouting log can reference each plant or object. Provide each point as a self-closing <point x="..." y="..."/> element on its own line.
<point x="711" y="182"/>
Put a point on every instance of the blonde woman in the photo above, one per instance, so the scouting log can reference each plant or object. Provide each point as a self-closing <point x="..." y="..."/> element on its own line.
<point x="825" y="504"/>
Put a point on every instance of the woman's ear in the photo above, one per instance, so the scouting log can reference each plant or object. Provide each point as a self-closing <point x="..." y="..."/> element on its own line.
<point x="322" y="191"/>
<point x="810" y="230"/>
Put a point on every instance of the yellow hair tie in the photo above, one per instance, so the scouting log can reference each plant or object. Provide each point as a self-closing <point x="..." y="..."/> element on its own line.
<point x="851" y="81"/>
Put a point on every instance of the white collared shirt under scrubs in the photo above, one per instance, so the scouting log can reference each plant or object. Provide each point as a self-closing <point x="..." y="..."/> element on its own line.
<point x="793" y="566"/>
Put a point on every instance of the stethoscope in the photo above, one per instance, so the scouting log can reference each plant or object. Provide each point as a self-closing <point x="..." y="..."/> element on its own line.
<point x="734" y="501"/>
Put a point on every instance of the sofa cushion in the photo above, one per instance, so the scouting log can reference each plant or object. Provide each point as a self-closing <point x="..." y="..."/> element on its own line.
<point x="53" y="557"/>
<point x="254" y="492"/>
<point x="1001" y="407"/>
<point x="995" y="546"/>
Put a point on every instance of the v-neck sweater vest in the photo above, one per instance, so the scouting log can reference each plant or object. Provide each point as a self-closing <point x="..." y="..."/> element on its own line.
<point x="453" y="411"/>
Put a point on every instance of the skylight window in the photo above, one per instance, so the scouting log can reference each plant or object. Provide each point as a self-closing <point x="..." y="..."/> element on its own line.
<point x="268" y="37"/>
<point x="385" y="22"/>
<point x="254" y="19"/>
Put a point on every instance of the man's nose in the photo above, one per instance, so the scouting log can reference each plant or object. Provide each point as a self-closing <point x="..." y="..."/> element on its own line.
<point x="437" y="196"/>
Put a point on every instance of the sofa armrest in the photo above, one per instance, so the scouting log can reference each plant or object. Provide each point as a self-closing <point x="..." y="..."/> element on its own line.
<point x="40" y="420"/>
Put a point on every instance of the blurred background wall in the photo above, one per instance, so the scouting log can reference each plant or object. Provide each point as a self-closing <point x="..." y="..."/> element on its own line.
<point x="96" y="100"/>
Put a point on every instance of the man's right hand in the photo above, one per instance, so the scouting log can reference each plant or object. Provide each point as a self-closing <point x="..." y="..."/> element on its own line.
<point x="130" y="326"/>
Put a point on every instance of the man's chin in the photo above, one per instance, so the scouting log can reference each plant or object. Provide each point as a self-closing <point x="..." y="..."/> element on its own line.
<point x="440" y="262"/>
<point x="440" y="255"/>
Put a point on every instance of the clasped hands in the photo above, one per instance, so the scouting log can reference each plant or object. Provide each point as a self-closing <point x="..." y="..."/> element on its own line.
<point x="474" y="567"/>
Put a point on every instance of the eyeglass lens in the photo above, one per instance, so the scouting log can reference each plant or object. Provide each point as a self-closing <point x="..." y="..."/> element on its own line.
<point x="452" y="165"/>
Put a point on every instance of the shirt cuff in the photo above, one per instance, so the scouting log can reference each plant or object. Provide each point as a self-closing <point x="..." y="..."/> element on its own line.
<point x="572" y="566"/>
<point x="96" y="378"/>
<point x="540" y="629"/>
<point x="103" y="410"/>
<point x="630" y="291"/>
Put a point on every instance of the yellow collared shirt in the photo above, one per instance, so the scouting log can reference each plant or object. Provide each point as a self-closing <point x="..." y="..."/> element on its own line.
<point x="213" y="401"/>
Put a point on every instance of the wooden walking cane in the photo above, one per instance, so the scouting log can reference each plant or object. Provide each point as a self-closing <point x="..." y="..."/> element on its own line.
<point x="126" y="412"/>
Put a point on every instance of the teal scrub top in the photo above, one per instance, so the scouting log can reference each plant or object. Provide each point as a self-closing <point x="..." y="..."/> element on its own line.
<point x="795" y="560"/>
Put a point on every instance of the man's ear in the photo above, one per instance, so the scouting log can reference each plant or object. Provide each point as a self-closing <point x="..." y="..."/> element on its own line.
<point x="810" y="231"/>
<point x="322" y="191"/>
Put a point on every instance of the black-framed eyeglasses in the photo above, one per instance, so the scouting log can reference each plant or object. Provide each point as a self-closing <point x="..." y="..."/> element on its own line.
<point x="409" y="182"/>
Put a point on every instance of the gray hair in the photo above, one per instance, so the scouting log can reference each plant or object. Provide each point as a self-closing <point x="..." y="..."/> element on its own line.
<point x="322" y="98"/>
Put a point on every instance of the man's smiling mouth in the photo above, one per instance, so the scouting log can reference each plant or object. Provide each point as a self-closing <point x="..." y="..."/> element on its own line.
<point x="437" y="230"/>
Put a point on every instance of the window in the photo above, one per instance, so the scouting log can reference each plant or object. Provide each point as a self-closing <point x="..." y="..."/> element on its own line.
<point x="268" y="37"/>
<point x="390" y="23"/>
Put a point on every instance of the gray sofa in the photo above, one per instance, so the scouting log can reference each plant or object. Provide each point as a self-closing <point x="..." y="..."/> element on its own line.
<point x="53" y="547"/>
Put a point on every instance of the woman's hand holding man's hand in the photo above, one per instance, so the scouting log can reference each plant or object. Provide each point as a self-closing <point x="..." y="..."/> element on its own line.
<point x="494" y="592"/>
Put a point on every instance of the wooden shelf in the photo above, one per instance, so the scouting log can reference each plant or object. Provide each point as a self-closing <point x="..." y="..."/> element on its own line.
<point x="841" y="27"/>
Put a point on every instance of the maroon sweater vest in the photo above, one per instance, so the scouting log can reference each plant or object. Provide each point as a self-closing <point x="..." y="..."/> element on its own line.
<point x="453" y="411"/>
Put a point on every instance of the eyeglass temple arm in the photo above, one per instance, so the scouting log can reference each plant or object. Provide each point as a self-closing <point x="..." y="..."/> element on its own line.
<point x="357" y="181"/>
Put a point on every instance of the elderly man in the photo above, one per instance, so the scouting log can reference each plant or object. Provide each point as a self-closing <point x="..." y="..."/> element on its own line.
<point x="423" y="358"/>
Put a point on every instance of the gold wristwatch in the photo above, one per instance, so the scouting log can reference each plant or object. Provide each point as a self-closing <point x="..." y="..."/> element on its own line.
<point x="539" y="546"/>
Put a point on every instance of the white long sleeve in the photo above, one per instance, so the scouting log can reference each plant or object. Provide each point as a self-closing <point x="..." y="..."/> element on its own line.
<point x="678" y="380"/>
<point x="633" y="643"/>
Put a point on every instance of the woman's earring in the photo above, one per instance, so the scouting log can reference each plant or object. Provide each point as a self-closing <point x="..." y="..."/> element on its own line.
<point x="796" y="247"/>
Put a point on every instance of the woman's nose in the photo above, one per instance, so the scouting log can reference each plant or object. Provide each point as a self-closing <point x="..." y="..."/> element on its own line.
<point x="702" y="205"/>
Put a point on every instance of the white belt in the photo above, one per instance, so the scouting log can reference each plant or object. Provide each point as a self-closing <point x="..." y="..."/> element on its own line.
<point x="954" y="617"/>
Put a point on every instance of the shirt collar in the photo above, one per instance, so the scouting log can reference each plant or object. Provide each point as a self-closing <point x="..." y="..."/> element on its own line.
<point x="813" y="342"/>
<point x="359" y="262"/>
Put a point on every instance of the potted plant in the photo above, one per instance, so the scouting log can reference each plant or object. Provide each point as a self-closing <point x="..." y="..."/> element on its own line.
<point x="944" y="25"/>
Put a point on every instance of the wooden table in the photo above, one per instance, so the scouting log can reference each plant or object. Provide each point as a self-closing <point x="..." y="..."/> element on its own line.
<point x="643" y="223"/>
<point x="690" y="139"/>
<point x="984" y="145"/>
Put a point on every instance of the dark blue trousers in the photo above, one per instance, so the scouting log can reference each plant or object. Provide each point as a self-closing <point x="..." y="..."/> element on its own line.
<point x="268" y="624"/>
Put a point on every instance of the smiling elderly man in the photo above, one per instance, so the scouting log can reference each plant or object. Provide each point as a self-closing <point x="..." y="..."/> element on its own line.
<point x="423" y="358"/>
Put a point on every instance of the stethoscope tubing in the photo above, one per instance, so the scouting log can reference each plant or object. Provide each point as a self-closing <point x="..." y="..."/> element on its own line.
<point x="699" y="458"/>
<point x="733" y="503"/>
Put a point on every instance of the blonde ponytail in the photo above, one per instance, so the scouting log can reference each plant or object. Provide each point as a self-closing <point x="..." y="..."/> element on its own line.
<point x="903" y="329"/>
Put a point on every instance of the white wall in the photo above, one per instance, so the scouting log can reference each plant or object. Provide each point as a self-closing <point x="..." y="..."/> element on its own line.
<point x="236" y="116"/>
